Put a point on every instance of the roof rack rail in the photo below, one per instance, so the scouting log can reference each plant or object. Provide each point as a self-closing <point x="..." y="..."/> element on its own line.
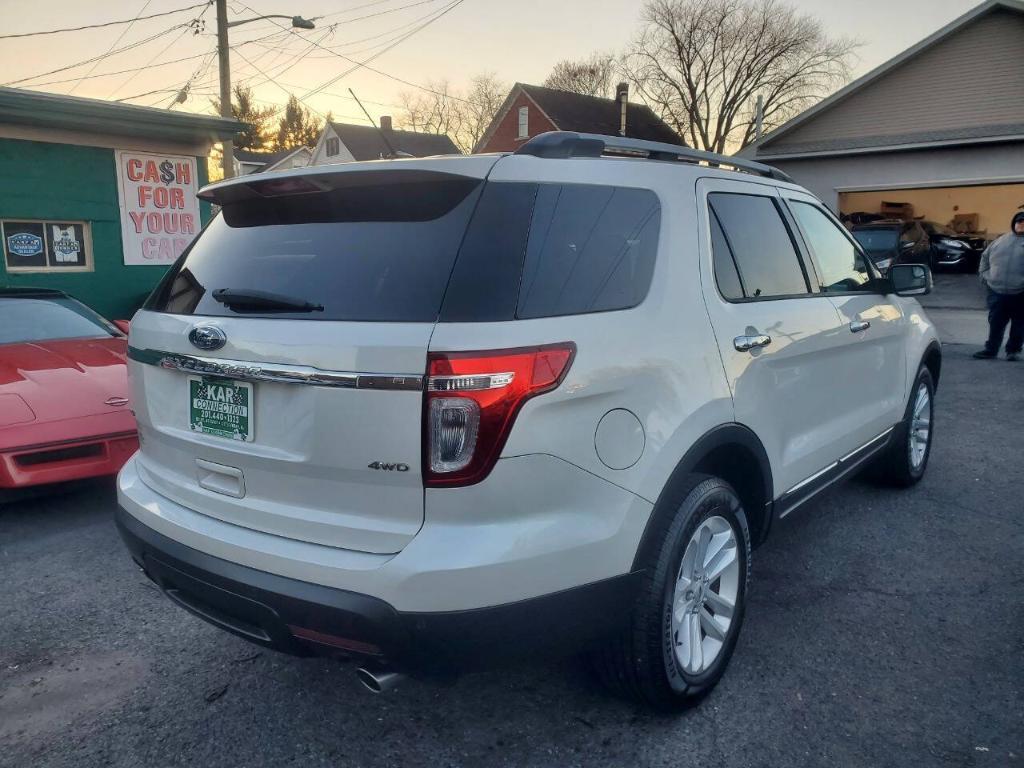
<point x="566" y="144"/>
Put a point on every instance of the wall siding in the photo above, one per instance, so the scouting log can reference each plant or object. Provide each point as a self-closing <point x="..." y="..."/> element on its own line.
<point x="973" y="78"/>
<point x="320" y="156"/>
<point x="78" y="183"/>
<point x="506" y="135"/>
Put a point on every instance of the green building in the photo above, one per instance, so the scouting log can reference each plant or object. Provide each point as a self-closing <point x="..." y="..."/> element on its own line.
<point x="97" y="198"/>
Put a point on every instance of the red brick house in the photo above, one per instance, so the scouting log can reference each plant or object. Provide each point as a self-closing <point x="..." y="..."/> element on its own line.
<point x="530" y="110"/>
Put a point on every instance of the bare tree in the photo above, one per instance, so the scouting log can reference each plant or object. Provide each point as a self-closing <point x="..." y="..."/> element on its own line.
<point x="483" y="100"/>
<point x="433" y="111"/>
<point x="703" y="63"/>
<point x="462" y="116"/>
<point x="593" y="76"/>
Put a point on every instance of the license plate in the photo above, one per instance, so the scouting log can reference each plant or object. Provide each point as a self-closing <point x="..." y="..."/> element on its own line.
<point x="220" y="407"/>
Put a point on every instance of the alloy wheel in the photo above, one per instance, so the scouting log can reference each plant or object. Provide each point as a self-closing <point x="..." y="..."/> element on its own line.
<point x="920" y="426"/>
<point x="706" y="590"/>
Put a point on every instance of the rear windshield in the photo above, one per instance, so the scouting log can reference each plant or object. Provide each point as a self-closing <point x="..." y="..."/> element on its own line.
<point x="47" y="319"/>
<point x="365" y="252"/>
<point x="876" y="239"/>
<point x="447" y="248"/>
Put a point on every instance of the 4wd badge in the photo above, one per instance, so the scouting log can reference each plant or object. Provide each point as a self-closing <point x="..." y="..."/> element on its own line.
<point x="388" y="466"/>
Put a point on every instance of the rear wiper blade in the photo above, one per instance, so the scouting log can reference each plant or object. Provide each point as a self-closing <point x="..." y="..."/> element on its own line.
<point x="243" y="300"/>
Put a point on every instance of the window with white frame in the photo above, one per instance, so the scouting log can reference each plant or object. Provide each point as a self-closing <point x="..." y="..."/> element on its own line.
<point x="524" y="122"/>
<point x="32" y="245"/>
<point x="333" y="146"/>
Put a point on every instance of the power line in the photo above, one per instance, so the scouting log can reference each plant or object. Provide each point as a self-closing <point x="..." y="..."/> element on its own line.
<point x="272" y="80"/>
<point x="133" y="69"/>
<point x="102" y="55"/>
<point x="147" y="93"/>
<point x="385" y="33"/>
<point x="355" y="8"/>
<point x="347" y="21"/>
<point x="107" y="23"/>
<point x="112" y="45"/>
<point x="194" y="25"/>
<point x="379" y="13"/>
<point x="199" y="72"/>
<point x="294" y="61"/>
<point x="365" y="64"/>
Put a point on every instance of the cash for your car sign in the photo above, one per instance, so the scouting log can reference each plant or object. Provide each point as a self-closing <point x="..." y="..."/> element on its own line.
<point x="159" y="209"/>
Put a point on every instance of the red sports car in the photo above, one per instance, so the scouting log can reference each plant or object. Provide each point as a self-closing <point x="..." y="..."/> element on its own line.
<point x="64" y="411"/>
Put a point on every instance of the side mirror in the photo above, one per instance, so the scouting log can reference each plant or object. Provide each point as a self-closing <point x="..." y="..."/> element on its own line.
<point x="122" y="326"/>
<point x="910" y="279"/>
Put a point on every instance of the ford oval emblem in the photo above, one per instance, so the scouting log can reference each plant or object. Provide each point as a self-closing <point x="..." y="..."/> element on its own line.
<point x="208" y="337"/>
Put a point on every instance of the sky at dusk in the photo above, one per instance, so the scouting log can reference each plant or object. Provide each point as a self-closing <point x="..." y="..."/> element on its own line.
<point x="516" y="41"/>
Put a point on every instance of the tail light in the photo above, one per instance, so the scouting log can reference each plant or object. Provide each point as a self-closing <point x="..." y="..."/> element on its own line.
<point x="472" y="400"/>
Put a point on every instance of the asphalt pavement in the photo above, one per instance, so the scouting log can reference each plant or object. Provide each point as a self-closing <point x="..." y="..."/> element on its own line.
<point x="957" y="307"/>
<point x="884" y="629"/>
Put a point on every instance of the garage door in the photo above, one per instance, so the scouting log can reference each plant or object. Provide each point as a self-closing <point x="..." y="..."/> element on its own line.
<point x="994" y="204"/>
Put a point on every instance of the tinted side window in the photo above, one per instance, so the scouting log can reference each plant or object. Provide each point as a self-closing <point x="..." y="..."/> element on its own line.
<point x="485" y="282"/>
<point x="764" y="252"/>
<point x="726" y="276"/>
<point x="590" y="249"/>
<point x="840" y="264"/>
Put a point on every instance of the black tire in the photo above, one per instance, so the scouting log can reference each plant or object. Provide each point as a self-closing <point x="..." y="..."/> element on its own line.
<point x="895" y="466"/>
<point x="641" y="662"/>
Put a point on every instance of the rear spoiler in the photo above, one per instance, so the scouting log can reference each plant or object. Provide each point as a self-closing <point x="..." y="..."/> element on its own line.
<point x="326" y="178"/>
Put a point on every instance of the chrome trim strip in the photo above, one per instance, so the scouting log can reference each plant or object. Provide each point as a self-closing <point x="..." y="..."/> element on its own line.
<point x="812" y="478"/>
<point x="848" y="463"/>
<point x="875" y="439"/>
<point x="280" y="373"/>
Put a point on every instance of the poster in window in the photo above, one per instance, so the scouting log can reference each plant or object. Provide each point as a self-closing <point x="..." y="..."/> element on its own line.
<point x="24" y="244"/>
<point x="66" y="244"/>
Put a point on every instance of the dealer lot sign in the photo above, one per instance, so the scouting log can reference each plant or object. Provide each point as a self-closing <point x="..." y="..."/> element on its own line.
<point x="159" y="209"/>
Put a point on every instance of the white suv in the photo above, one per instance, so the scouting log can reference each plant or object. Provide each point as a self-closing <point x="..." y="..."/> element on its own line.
<point x="431" y="413"/>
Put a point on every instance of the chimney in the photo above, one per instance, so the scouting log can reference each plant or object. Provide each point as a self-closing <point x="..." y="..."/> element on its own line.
<point x="385" y="122"/>
<point x="622" y="96"/>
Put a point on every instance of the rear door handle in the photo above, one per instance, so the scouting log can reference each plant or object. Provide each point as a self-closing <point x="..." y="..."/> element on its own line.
<point x="747" y="343"/>
<point x="859" y="325"/>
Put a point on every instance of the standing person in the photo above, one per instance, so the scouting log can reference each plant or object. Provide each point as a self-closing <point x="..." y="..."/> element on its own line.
<point x="1002" y="272"/>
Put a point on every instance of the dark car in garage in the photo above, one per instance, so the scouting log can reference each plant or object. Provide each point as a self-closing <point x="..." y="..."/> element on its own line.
<point x="892" y="241"/>
<point x="951" y="250"/>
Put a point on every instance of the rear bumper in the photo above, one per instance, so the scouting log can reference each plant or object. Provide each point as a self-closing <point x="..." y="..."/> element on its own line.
<point x="302" y="618"/>
<point x="67" y="460"/>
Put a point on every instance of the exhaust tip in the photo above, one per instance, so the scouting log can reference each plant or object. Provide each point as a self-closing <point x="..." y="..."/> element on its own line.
<point x="378" y="682"/>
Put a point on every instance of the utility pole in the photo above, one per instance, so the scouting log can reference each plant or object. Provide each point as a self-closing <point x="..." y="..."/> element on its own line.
<point x="224" y="60"/>
<point x="759" y="118"/>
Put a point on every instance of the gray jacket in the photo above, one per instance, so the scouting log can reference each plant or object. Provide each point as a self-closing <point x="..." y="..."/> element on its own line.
<point x="1002" y="264"/>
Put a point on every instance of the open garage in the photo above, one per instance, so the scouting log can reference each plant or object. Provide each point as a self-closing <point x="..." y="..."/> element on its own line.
<point x="990" y="205"/>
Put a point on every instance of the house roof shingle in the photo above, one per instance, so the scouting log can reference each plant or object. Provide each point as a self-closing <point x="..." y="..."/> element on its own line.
<point x="365" y="142"/>
<point x="593" y="114"/>
<point x="267" y="158"/>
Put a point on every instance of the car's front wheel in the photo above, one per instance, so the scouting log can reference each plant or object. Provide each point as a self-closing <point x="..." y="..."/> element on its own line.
<point x="688" y="613"/>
